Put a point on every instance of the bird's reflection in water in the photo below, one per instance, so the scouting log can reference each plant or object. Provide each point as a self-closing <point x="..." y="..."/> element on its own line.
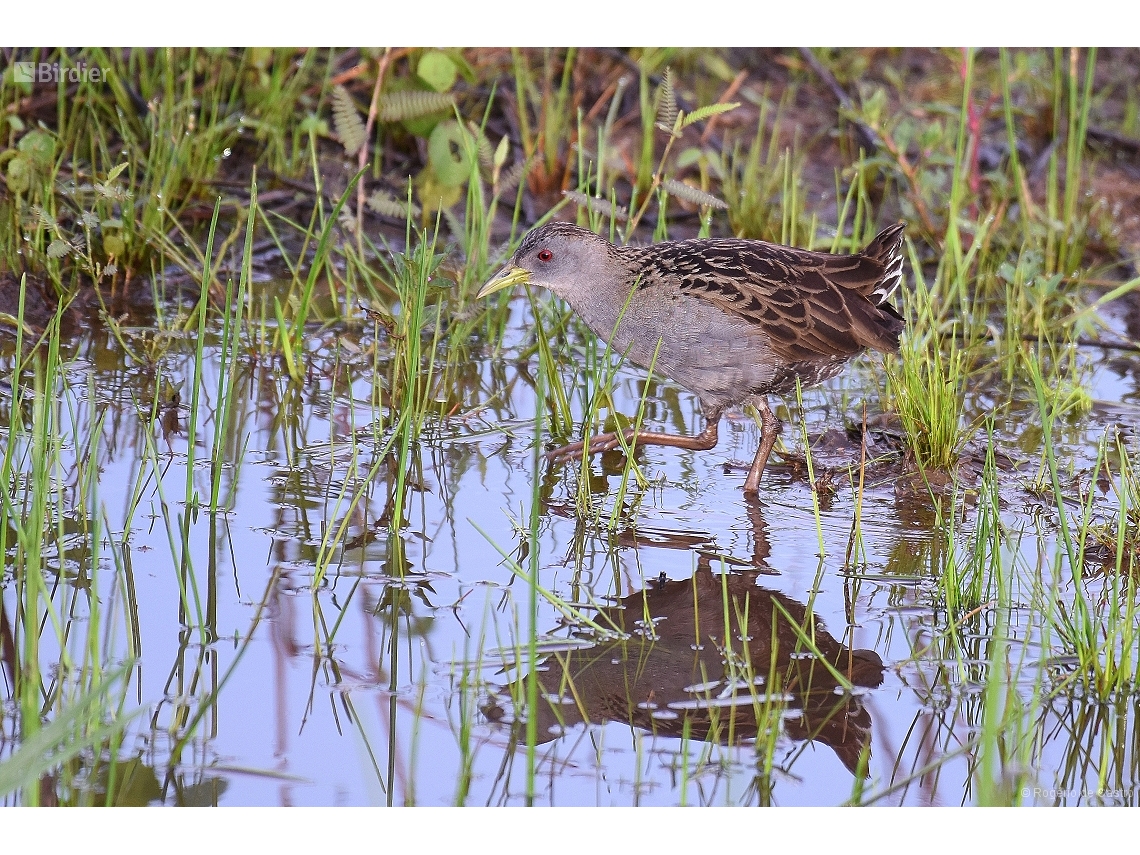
<point x="717" y="657"/>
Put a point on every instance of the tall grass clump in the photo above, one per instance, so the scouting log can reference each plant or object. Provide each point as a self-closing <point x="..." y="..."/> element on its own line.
<point x="926" y="382"/>
<point x="1100" y="631"/>
<point x="70" y="681"/>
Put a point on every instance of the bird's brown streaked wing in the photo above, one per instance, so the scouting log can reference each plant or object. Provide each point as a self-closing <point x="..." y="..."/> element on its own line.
<point x="809" y="304"/>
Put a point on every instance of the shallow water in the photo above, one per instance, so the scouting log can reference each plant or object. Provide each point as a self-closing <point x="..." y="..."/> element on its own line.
<point x="332" y="666"/>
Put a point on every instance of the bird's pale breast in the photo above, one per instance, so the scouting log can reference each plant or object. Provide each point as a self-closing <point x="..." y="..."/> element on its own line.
<point x="723" y="358"/>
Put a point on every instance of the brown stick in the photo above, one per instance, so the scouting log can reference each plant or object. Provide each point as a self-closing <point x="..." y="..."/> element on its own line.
<point x="362" y="155"/>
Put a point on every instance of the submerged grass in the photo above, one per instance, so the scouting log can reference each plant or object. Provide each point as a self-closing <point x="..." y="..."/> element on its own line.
<point x="70" y="679"/>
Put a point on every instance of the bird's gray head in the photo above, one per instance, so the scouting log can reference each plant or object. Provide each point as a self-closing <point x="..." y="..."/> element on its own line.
<point x="560" y="257"/>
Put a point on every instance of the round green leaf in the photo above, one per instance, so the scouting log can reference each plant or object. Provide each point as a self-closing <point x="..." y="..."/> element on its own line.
<point x="39" y="146"/>
<point x="19" y="174"/>
<point x="448" y="155"/>
<point x="433" y="194"/>
<point x="437" y="70"/>
<point x="113" y="246"/>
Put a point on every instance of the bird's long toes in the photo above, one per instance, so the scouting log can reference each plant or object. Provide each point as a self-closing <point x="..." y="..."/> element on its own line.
<point x="566" y="452"/>
<point x="602" y="444"/>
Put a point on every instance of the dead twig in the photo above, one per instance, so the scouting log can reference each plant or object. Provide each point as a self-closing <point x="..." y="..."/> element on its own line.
<point x="362" y="155"/>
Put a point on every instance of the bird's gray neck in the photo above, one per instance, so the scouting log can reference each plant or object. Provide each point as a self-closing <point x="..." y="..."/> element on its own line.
<point x="604" y="299"/>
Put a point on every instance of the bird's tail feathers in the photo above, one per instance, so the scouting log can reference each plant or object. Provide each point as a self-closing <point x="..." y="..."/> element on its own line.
<point x="886" y="247"/>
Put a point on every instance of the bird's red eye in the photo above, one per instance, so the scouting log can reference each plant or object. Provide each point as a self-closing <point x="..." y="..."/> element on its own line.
<point x="545" y="255"/>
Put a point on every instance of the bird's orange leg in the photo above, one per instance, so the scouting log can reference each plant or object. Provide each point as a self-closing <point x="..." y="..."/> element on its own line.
<point x="703" y="441"/>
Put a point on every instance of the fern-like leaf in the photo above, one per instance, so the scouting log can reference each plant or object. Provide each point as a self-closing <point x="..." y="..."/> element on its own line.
<point x="58" y="248"/>
<point x="667" y="103"/>
<point x="398" y="106"/>
<point x="347" y="122"/>
<point x="692" y="194"/>
<point x="509" y="179"/>
<point x="347" y="221"/>
<point x="116" y="171"/>
<point x="482" y="146"/>
<point x="44" y="219"/>
<point x="598" y="206"/>
<point x="389" y="206"/>
<point x="705" y="112"/>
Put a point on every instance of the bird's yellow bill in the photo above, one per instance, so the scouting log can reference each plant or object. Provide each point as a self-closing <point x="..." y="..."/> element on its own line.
<point x="508" y="277"/>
